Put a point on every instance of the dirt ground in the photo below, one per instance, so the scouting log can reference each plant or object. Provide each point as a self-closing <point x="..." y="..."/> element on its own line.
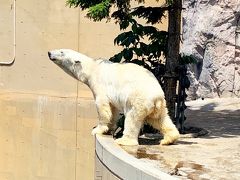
<point x="213" y="156"/>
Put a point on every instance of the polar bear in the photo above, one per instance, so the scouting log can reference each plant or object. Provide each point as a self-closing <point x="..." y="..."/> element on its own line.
<point x="120" y="87"/>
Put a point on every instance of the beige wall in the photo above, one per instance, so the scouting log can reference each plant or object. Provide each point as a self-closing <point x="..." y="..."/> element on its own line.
<point x="46" y="116"/>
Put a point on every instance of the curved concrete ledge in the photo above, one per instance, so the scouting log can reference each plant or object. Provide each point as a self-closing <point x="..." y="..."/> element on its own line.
<point x="124" y="166"/>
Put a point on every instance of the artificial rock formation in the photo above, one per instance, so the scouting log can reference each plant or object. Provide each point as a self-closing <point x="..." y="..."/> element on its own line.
<point x="211" y="33"/>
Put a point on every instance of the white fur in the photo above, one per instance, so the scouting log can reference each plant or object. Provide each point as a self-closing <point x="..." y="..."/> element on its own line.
<point x="126" y="88"/>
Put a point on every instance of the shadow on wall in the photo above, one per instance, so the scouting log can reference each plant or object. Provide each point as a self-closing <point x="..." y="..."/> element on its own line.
<point x="220" y="123"/>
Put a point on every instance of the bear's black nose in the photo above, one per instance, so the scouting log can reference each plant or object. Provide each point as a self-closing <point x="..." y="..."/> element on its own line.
<point x="49" y="54"/>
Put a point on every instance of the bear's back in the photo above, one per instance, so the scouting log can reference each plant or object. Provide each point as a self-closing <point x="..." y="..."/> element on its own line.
<point x="132" y="77"/>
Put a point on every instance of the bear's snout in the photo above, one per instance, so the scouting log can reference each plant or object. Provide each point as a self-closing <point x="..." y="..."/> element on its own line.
<point x="49" y="54"/>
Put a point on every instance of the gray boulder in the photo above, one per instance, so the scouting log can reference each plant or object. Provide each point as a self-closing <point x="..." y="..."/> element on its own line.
<point x="211" y="33"/>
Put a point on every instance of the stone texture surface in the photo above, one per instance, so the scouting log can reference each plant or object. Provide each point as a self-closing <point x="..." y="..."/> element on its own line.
<point x="211" y="33"/>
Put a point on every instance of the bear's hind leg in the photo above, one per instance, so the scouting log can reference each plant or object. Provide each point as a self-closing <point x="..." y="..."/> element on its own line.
<point x="169" y="131"/>
<point x="160" y="120"/>
<point x="166" y="127"/>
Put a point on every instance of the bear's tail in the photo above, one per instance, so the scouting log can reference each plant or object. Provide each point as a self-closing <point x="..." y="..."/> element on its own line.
<point x="160" y="120"/>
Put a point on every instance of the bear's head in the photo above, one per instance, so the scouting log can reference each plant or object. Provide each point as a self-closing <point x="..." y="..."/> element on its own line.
<point x="74" y="63"/>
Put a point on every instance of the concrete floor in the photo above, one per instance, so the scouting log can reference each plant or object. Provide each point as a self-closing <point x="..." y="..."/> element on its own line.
<point x="213" y="156"/>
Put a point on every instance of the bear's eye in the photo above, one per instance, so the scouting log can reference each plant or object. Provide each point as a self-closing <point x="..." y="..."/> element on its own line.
<point x="77" y="62"/>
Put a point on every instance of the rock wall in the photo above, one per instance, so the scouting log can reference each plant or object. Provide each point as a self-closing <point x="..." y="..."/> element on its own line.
<point x="211" y="33"/>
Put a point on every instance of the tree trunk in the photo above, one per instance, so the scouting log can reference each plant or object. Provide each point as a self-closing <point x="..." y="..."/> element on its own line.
<point x="174" y="29"/>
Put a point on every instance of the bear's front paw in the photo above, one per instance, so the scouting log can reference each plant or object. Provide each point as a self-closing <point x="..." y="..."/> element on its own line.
<point x="126" y="141"/>
<point x="100" y="130"/>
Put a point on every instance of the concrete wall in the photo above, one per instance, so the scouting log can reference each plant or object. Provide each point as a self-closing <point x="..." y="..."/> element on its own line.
<point x="46" y="116"/>
<point x="114" y="162"/>
<point x="51" y="25"/>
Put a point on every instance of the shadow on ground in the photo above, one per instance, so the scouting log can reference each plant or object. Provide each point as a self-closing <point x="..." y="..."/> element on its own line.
<point x="219" y="123"/>
<point x="212" y="119"/>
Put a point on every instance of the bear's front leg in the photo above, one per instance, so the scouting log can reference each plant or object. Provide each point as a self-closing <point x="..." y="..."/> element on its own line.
<point x="133" y="122"/>
<point x="105" y="116"/>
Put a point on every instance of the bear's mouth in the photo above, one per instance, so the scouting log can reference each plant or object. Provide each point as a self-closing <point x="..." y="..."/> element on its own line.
<point x="52" y="59"/>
